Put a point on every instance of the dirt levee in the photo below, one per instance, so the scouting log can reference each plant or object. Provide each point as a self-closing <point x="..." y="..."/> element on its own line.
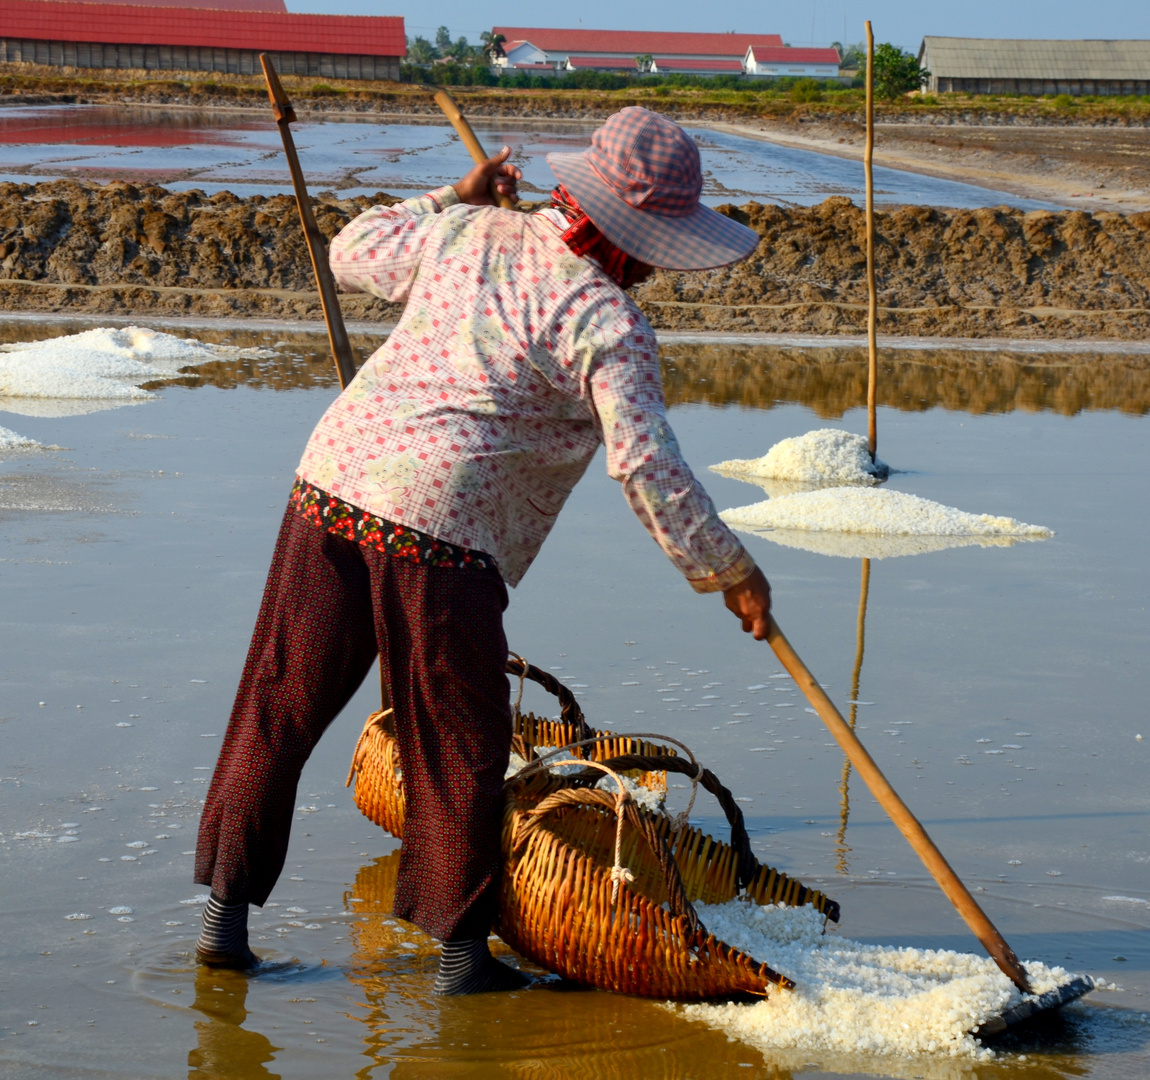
<point x="137" y="249"/>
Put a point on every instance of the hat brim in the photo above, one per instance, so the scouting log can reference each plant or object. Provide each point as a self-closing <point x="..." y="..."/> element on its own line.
<point x="700" y="240"/>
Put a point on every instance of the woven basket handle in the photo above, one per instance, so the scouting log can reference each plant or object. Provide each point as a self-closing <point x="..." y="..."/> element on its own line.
<point x="677" y="902"/>
<point x="740" y="841"/>
<point x="569" y="709"/>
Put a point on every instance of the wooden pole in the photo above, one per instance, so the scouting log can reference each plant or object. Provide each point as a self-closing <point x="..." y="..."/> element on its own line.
<point x="341" y="350"/>
<point x="316" y="245"/>
<point x="899" y="813"/>
<point x="458" y="121"/>
<point x="872" y="293"/>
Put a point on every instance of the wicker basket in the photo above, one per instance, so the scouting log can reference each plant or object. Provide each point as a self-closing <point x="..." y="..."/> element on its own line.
<point x="378" y="774"/>
<point x="595" y="888"/>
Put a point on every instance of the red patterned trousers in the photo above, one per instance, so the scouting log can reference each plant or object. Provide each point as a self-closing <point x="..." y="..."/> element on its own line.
<point x="329" y="608"/>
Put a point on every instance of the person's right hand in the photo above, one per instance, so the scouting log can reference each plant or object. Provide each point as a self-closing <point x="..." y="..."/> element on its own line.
<point x="494" y="174"/>
<point x="750" y="601"/>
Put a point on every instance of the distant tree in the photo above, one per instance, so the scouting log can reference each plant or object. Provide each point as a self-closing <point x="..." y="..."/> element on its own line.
<point x="492" y="44"/>
<point x="421" y="51"/>
<point x="852" y="56"/>
<point x="896" y="72"/>
<point x="443" y="40"/>
<point x="644" y="62"/>
<point x="463" y="52"/>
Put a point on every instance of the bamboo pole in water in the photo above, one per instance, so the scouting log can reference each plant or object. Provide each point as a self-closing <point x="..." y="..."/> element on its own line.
<point x="872" y="292"/>
<point x="950" y="883"/>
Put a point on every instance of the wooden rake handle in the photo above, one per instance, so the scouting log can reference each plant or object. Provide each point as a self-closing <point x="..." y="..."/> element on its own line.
<point x="458" y="121"/>
<point x="899" y="812"/>
<point x="316" y="245"/>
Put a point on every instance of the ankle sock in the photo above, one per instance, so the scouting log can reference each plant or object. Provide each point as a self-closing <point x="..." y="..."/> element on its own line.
<point x="224" y="929"/>
<point x="467" y="967"/>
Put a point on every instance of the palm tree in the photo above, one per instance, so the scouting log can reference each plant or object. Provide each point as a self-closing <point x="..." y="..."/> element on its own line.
<point x="492" y="44"/>
<point x="420" y="51"/>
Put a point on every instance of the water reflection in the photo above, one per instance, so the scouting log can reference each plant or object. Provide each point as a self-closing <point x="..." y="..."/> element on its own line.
<point x="556" y="1030"/>
<point x="831" y="380"/>
<point x="828" y="380"/>
<point x="226" y="1050"/>
<point x="842" y="848"/>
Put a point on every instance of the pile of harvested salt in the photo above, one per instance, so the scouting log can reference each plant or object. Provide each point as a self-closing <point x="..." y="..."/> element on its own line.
<point x="105" y="365"/>
<point x="826" y="456"/>
<point x="9" y="440"/>
<point x="845" y="545"/>
<point x="853" y="998"/>
<point x="875" y="513"/>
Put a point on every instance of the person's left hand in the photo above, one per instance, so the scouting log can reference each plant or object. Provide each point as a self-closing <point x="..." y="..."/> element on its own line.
<point x="750" y="602"/>
<point x="494" y="176"/>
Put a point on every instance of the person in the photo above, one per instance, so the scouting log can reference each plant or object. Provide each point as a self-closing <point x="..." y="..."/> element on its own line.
<point x="428" y="487"/>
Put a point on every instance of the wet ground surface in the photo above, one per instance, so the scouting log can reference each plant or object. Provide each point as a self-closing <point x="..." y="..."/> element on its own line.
<point x="1003" y="688"/>
<point x="186" y="148"/>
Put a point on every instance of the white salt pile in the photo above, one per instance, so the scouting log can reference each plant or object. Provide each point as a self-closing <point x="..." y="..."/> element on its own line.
<point x="9" y="440"/>
<point x="852" y="998"/>
<point x="868" y="512"/>
<point x="846" y="545"/>
<point x="826" y="456"/>
<point x="55" y="377"/>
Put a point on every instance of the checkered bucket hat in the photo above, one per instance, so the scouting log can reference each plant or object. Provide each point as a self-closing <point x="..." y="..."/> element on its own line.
<point x="640" y="182"/>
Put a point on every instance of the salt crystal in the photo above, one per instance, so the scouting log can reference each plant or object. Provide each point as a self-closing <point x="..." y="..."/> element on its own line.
<point x="9" y="440"/>
<point x="825" y="456"/>
<point x="105" y="365"/>
<point x="879" y="524"/>
<point x="856" y="998"/>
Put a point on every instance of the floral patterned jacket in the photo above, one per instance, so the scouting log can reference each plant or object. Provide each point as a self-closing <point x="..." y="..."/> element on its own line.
<point x="512" y="362"/>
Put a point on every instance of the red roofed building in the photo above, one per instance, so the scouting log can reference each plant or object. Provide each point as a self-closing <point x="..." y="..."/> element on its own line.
<point x="605" y="50"/>
<point x="224" y="5"/>
<point x="195" y="37"/>
<point x="777" y="63"/>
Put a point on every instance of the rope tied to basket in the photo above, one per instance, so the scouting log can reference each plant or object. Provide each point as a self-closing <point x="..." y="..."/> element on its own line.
<point x="617" y="803"/>
<point x="623" y="806"/>
<point x="517" y="711"/>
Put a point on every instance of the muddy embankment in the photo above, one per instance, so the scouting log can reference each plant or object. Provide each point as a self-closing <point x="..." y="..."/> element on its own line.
<point x="121" y="248"/>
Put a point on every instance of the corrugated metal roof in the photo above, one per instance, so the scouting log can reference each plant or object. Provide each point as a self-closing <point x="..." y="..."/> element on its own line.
<point x="636" y="42"/>
<point x="999" y="58"/>
<point x="784" y="55"/>
<point x="124" y="24"/>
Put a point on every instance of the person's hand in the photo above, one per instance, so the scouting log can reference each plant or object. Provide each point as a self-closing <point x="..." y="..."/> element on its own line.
<point x="495" y="175"/>
<point x="750" y="601"/>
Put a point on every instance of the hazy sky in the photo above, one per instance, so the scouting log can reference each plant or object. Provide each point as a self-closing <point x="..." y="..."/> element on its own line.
<point x="901" y="21"/>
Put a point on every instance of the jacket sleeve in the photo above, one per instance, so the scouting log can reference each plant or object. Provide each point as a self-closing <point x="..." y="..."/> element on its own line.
<point x="379" y="251"/>
<point x="643" y="454"/>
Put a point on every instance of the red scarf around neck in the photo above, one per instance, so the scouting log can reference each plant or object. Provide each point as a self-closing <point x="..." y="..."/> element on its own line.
<point x="584" y="238"/>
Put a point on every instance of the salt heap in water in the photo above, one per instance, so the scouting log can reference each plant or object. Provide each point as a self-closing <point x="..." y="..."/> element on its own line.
<point x="853" y="998"/>
<point x="103" y="364"/>
<point x="826" y="456"/>
<point x="869" y="511"/>
<point x="9" y="440"/>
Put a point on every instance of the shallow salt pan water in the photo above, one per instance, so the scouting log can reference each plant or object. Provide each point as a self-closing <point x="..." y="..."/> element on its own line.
<point x="241" y="152"/>
<point x="1001" y="690"/>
